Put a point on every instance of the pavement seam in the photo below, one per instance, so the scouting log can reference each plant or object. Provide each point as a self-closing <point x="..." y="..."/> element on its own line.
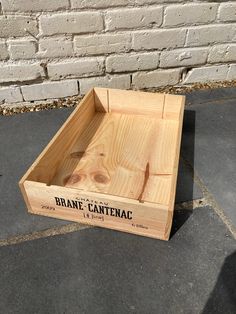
<point x="209" y="199"/>
<point x="44" y="234"/>
<point x="61" y="230"/>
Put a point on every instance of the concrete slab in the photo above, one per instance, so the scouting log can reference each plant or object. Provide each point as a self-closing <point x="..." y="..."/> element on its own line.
<point x="101" y="271"/>
<point x="22" y="138"/>
<point x="213" y="132"/>
<point x="210" y="95"/>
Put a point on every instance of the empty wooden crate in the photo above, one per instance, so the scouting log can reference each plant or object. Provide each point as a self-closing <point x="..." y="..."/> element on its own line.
<point x="112" y="164"/>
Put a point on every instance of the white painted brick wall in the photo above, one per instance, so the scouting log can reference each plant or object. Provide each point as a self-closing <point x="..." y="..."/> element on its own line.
<point x="232" y="72"/>
<point x="227" y="12"/>
<point x="3" y="50"/>
<point x="34" y="5"/>
<point x="20" y="72"/>
<point x="222" y="53"/>
<point x="132" y="62"/>
<point x="159" y="39"/>
<point x="111" y="81"/>
<point x="22" y="48"/>
<point x="50" y="90"/>
<point x="10" y="94"/>
<point x="16" y="26"/>
<point x="214" y="73"/>
<point x="102" y="43"/>
<point x="190" y="14"/>
<point x="183" y="57"/>
<point x="156" y="78"/>
<point x="138" y="18"/>
<point x="76" y="68"/>
<point x="71" y="23"/>
<point x="55" y="45"/>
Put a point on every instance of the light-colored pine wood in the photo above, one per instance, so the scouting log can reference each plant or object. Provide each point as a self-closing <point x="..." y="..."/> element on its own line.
<point x="47" y="164"/>
<point x="101" y="99"/>
<point x="158" y="189"/>
<point x="120" y="148"/>
<point x="173" y="107"/>
<point x="148" y="220"/>
<point x="163" y="148"/>
<point x="115" y="160"/>
<point x="139" y="103"/>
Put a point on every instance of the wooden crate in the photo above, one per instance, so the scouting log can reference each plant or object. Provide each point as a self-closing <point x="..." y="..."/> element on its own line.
<point x="112" y="164"/>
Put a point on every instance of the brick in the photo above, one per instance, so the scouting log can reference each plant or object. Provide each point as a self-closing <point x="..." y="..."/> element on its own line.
<point x="71" y="23"/>
<point x="55" y="47"/>
<point x="114" y="81"/>
<point x="10" y="94"/>
<point x="3" y="50"/>
<point x="183" y="57"/>
<point x="50" y="90"/>
<point x="227" y="12"/>
<point x="143" y="2"/>
<point x="22" y="49"/>
<point x="132" y="62"/>
<point x="16" y="26"/>
<point x="94" y="4"/>
<point x="190" y="14"/>
<point x="156" y="78"/>
<point x="76" y="68"/>
<point x="20" y="72"/>
<point x="205" y="35"/>
<point x="222" y="53"/>
<point x="102" y="44"/>
<point x="158" y="39"/>
<point x="232" y="72"/>
<point x="33" y="6"/>
<point x="133" y="18"/>
<point x="207" y="74"/>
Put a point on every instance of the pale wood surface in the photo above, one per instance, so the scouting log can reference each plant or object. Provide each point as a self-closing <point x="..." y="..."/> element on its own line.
<point x="148" y="220"/>
<point x="138" y="103"/>
<point x="119" y="146"/>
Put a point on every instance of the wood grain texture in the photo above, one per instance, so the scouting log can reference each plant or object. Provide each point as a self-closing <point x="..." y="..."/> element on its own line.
<point x="115" y="160"/>
<point x="120" y="148"/>
<point x="138" y="103"/>
<point x="47" y="164"/>
<point x="148" y="220"/>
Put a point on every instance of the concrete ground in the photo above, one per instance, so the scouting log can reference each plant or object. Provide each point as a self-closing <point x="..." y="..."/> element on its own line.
<point x="52" y="266"/>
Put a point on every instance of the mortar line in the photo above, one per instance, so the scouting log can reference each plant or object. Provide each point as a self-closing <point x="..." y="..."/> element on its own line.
<point x="209" y="199"/>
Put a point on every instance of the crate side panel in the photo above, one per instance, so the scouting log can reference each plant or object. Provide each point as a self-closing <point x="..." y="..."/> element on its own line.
<point x="164" y="146"/>
<point x="140" y="103"/>
<point x="47" y="164"/>
<point x="101" y="99"/>
<point x="96" y="209"/>
<point x="76" y="152"/>
<point x="173" y="107"/>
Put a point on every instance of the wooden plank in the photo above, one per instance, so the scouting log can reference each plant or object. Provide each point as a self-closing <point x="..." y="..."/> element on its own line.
<point x="101" y="99"/>
<point x="148" y="220"/>
<point x="139" y="103"/>
<point x="75" y="153"/>
<point x="115" y="160"/>
<point x="158" y="189"/>
<point x="163" y="147"/>
<point x="46" y="165"/>
<point x="173" y="107"/>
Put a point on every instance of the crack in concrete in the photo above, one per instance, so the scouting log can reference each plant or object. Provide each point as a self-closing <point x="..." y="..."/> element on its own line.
<point x="209" y="200"/>
<point x="44" y="234"/>
<point x="73" y="227"/>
